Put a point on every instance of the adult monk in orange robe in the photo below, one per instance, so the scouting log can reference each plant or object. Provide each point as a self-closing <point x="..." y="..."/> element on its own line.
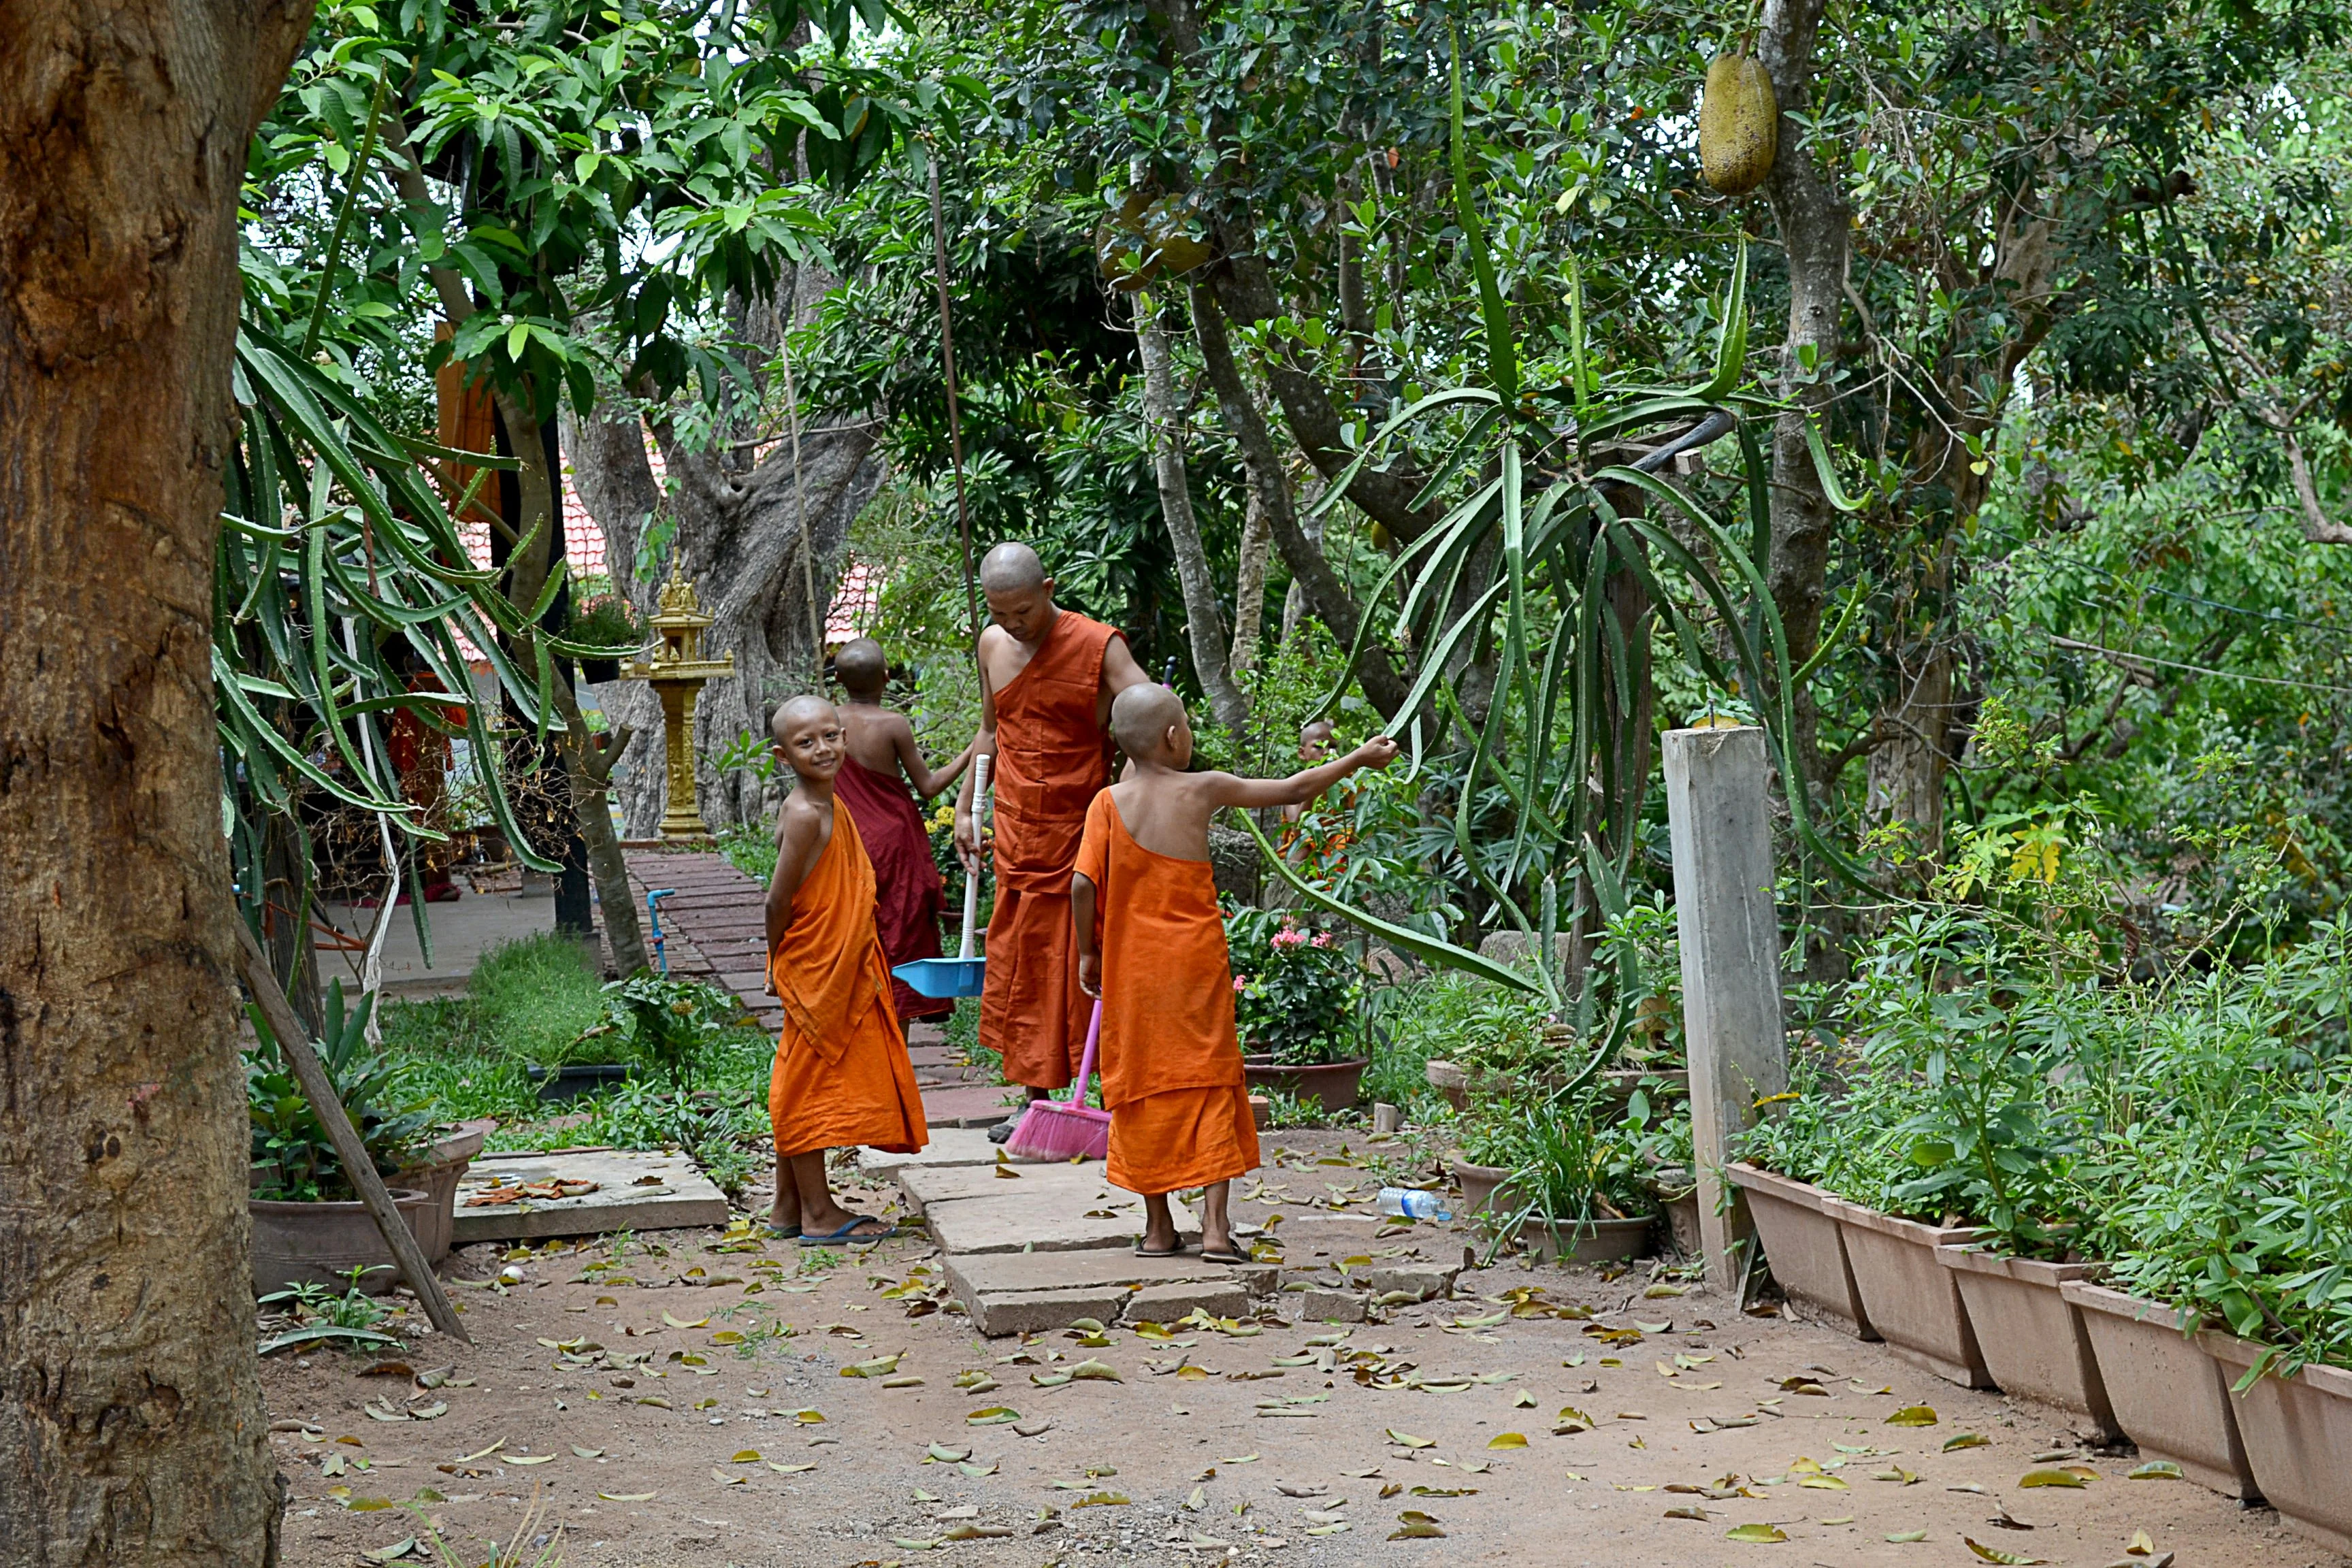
<point x="842" y="1076"/>
<point x="1047" y="676"/>
<point x="882" y="761"/>
<point x="1151" y="944"/>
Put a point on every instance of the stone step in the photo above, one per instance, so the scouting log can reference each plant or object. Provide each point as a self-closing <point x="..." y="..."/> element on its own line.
<point x="1027" y="1293"/>
<point x="964" y="1105"/>
<point x="650" y="1190"/>
<point x="949" y="1146"/>
<point x="1043" y="1208"/>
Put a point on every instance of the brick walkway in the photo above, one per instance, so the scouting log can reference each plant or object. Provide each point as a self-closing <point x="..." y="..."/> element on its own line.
<point x="716" y="930"/>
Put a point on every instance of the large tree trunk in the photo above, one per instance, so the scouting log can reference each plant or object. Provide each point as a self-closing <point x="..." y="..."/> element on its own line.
<point x="131" y="1428"/>
<point x="739" y="536"/>
<point x="1202" y="625"/>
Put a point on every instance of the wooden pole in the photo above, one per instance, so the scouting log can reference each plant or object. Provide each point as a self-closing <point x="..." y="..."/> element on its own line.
<point x="294" y="1043"/>
<point x="1718" y="815"/>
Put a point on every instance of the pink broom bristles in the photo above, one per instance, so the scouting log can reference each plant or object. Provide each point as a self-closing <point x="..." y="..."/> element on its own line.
<point x="1065" y="1129"/>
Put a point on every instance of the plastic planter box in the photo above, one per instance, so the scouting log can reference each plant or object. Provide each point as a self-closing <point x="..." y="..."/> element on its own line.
<point x="2033" y="1339"/>
<point x="1913" y="1301"/>
<point x="1805" y="1246"/>
<point x="2298" y="1433"/>
<point x="2169" y="1395"/>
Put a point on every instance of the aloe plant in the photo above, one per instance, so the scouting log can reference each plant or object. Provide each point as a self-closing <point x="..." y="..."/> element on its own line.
<point x="1532" y="605"/>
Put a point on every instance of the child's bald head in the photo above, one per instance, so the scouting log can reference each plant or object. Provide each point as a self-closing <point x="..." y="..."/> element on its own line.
<point x="1141" y="719"/>
<point x="862" y="668"/>
<point x="807" y="733"/>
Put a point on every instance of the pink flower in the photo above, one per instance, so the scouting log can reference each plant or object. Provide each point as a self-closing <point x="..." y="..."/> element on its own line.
<point x="1241" y="982"/>
<point x="1323" y="938"/>
<point x="1288" y="937"/>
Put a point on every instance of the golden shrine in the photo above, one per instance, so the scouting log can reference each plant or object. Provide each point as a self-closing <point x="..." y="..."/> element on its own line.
<point x="676" y="671"/>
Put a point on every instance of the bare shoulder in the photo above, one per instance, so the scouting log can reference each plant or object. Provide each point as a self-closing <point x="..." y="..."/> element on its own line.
<point x="802" y="816"/>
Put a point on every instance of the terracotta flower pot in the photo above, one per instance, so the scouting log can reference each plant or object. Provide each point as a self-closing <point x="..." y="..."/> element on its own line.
<point x="1449" y="1079"/>
<point x="1806" y="1247"/>
<point x="1913" y="1301"/>
<point x="2033" y="1339"/>
<point x="2297" y="1431"/>
<point x="436" y="1174"/>
<point x="1480" y="1185"/>
<point x="322" y="1243"/>
<point x="1332" y="1084"/>
<point x="1595" y="1241"/>
<point x="2169" y="1395"/>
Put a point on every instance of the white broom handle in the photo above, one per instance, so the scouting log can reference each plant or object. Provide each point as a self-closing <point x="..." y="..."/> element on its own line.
<point x="971" y="874"/>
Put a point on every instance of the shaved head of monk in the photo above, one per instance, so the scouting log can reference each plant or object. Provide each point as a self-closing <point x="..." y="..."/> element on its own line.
<point x="1150" y="725"/>
<point x="807" y="732"/>
<point x="862" y="668"/>
<point x="1020" y="594"/>
<point x="1315" y="740"/>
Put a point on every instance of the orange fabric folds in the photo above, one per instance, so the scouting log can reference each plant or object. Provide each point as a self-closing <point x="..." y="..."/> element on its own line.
<point x="842" y="1076"/>
<point x="1171" y="1065"/>
<point x="1051" y="760"/>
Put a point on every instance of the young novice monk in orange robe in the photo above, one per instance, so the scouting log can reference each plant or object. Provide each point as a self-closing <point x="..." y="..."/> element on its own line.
<point x="842" y="1076"/>
<point x="1171" y="1067"/>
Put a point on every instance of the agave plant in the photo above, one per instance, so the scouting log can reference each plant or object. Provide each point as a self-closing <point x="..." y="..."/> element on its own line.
<point x="337" y="543"/>
<point x="1532" y="605"/>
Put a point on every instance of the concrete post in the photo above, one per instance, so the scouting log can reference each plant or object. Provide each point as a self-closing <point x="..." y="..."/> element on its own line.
<point x="1718" y="813"/>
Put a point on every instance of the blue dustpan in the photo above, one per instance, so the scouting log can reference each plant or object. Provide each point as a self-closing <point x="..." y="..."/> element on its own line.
<point x="943" y="976"/>
<point x="959" y="976"/>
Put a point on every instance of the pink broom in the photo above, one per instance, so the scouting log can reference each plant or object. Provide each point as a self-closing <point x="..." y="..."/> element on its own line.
<point x="1065" y="1129"/>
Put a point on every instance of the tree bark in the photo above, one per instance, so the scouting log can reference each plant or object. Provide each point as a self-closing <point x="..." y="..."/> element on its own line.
<point x="1249" y="583"/>
<point x="1202" y="625"/>
<point x="1813" y="220"/>
<point x="132" y="1428"/>
<point x="1327" y="595"/>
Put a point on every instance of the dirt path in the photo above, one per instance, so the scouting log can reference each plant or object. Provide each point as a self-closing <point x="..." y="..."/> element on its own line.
<point x="707" y="1349"/>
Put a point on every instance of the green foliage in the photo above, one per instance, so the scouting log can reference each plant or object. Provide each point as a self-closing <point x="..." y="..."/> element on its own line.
<point x="1567" y="1168"/>
<point x="350" y="1308"/>
<point x="664" y="1023"/>
<point x="1297" y="992"/>
<point x="751" y="850"/>
<point x="535" y="998"/>
<point x="288" y="1142"/>
<point x="607" y="621"/>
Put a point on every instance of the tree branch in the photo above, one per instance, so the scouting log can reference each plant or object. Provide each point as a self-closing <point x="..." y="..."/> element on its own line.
<point x="1327" y="595"/>
<point x="1202" y="625"/>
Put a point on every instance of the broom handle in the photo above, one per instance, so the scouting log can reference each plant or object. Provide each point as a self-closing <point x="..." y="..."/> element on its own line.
<point x="971" y="874"/>
<point x="1086" y="1062"/>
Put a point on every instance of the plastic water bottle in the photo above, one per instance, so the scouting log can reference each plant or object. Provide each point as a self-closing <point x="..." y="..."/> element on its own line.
<point x="1411" y="1203"/>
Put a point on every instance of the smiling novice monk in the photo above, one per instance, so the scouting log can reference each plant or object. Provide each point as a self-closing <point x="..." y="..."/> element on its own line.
<point x="842" y="1077"/>
<point x="1171" y="1068"/>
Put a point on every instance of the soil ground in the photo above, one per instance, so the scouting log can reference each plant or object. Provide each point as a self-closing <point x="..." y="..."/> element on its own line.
<point x="714" y="1426"/>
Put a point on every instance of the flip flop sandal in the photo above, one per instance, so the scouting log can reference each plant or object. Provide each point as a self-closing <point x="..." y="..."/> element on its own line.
<point x="778" y="1233"/>
<point x="1228" y="1255"/>
<point x="843" y="1237"/>
<point x="1144" y="1251"/>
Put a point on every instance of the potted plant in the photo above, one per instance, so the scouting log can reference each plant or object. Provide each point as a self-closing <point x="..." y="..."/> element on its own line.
<point x="1492" y="1144"/>
<point x="1295" y="993"/>
<point x="605" y="621"/>
<point x="435" y="1169"/>
<point x="1783" y="1157"/>
<point x="309" y="1226"/>
<point x="1576" y="1193"/>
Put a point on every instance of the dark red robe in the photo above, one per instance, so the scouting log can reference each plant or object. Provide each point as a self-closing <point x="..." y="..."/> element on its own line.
<point x="907" y="891"/>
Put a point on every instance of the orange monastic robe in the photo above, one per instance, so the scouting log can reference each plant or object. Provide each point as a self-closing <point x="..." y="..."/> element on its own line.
<point x="842" y="1077"/>
<point x="1171" y="1068"/>
<point x="1051" y="759"/>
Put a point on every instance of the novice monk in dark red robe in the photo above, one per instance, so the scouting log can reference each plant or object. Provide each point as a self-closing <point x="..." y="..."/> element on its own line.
<point x="1171" y="1068"/>
<point x="1046" y="679"/>
<point x="882" y="759"/>
<point x="842" y="1077"/>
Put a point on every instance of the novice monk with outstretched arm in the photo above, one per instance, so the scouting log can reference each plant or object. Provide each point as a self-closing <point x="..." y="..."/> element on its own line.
<point x="883" y="760"/>
<point x="1171" y="1067"/>
<point x="842" y="1077"/>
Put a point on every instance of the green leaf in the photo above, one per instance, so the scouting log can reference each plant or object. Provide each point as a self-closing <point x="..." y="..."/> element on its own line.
<point x="1502" y="353"/>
